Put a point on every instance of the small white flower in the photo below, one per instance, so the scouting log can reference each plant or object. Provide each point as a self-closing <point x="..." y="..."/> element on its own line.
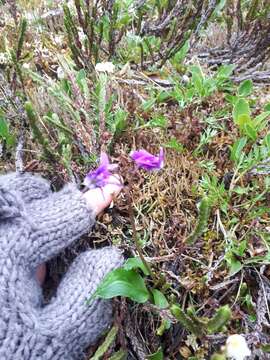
<point x="60" y="73"/>
<point x="26" y="66"/>
<point x="58" y="39"/>
<point x="105" y="67"/>
<point x="185" y="79"/>
<point x="236" y="347"/>
<point x="82" y="36"/>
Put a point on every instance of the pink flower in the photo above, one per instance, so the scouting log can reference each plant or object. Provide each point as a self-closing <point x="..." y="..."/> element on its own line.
<point x="148" y="161"/>
<point x="100" y="177"/>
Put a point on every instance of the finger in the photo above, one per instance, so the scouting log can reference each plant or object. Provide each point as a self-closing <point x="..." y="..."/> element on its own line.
<point x="41" y="273"/>
<point x="100" y="198"/>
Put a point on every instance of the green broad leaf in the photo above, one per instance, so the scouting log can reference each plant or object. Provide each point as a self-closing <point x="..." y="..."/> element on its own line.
<point x="266" y="348"/>
<point x="220" y="319"/>
<point x="235" y="267"/>
<point x="5" y="133"/>
<point x="4" y="129"/>
<point x="135" y="263"/>
<point x="240" y="250"/>
<point x="242" y="120"/>
<point x="124" y="21"/>
<point x="120" y="118"/>
<point x="158" y="122"/>
<point x="119" y="355"/>
<point x="237" y="149"/>
<point x="106" y="344"/>
<point x="11" y="141"/>
<point x="82" y="82"/>
<point x="241" y="190"/>
<point x="241" y="112"/>
<point x="163" y="96"/>
<point x="245" y="88"/>
<point x="218" y="8"/>
<point x="215" y="356"/>
<point x="259" y="122"/>
<point x="181" y="54"/>
<point x="267" y="107"/>
<point x="121" y="282"/>
<point x="231" y="99"/>
<point x="234" y="264"/>
<point x="156" y="356"/>
<point x="225" y="71"/>
<point x="197" y="81"/>
<point x="160" y="299"/>
<point x="175" y="145"/>
<point x="250" y="131"/>
<point x="266" y="141"/>
<point x="148" y="104"/>
<point x="81" y="75"/>
<point x="165" y="325"/>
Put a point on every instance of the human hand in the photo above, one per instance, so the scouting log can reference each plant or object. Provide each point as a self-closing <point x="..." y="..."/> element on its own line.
<point x="99" y="198"/>
<point x="33" y="229"/>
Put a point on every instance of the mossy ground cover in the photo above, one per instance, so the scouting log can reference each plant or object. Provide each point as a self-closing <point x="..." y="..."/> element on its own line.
<point x="204" y="256"/>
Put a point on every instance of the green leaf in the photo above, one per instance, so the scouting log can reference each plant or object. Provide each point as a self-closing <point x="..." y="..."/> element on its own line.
<point x="243" y="120"/>
<point x="241" y="190"/>
<point x="241" y="112"/>
<point x="245" y="88"/>
<point x="266" y="141"/>
<point x="234" y="265"/>
<point x="266" y="348"/>
<point x="148" y="104"/>
<point x="120" y="124"/>
<point x="159" y="121"/>
<point x="240" y="249"/>
<point x="106" y="344"/>
<point x="175" y="145"/>
<point x="165" y="325"/>
<point x="267" y="107"/>
<point x="156" y="356"/>
<point x="231" y="99"/>
<point x="237" y="149"/>
<point x="197" y="81"/>
<point x="121" y="282"/>
<point x="4" y="130"/>
<point x="163" y="96"/>
<point x="181" y="54"/>
<point x="250" y="131"/>
<point x="217" y="356"/>
<point x="186" y="321"/>
<point x="119" y="355"/>
<point x="220" y="319"/>
<point x="159" y="299"/>
<point x="204" y="213"/>
<point x="259" y="122"/>
<point x="135" y="263"/>
<point x="225" y="71"/>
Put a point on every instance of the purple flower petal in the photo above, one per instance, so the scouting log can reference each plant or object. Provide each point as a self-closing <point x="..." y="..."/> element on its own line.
<point x="100" y="176"/>
<point x="148" y="161"/>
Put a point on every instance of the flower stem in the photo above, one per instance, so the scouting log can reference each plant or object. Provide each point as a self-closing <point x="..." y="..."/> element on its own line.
<point x="134" y="231"/>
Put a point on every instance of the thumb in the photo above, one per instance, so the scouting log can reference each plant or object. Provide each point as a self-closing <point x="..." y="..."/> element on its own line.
<point x="100" y="198"/>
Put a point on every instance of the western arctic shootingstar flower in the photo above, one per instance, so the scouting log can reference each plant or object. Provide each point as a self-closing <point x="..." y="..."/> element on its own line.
<point x="148" y="161"/>
<point x="100" y="177"/>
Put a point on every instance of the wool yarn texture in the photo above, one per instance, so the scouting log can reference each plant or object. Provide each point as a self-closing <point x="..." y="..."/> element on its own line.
<point x="35" y="225"/>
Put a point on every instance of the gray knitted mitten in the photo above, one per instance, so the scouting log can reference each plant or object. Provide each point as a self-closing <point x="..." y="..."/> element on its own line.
<point x="35" y="224"/>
